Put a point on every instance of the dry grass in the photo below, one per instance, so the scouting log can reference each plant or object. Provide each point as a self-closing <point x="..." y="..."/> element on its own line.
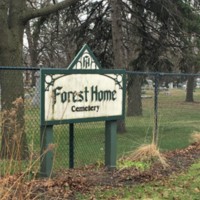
<point x="17" y="176"/>
<point x="13" y="186"/>
<point x="25" y="185"/>
<point x="147" y="153"/>
<point x="195" y="137"/>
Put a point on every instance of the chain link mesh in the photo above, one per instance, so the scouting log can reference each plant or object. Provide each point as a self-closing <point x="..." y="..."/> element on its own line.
<point x="173" y="117"/>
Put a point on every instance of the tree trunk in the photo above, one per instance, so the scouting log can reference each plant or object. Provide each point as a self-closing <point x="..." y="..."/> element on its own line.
<point x="13" y="17"/>
<point x="134" y="104"/>
<point x="33" y="49"/>
<point x="117" y="45"/>
<point x="190" y="89"/>
<point x="13" y="143"/>
<point x="135" y="62"/>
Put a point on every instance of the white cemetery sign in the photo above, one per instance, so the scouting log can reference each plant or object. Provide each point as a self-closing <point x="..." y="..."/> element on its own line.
<point x="74" y="95"/>
<point x="82" y="93"/>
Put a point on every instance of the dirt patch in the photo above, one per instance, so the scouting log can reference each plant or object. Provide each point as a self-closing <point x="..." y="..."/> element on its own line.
<point x="178" y="160"/>
<point x="68" y="182"/>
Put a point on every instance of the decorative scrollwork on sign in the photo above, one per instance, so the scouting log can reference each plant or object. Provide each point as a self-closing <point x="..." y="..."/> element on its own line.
<point x="86" y="62"/>
<point x="50" y="80"/>
<point x="118" y="80"/>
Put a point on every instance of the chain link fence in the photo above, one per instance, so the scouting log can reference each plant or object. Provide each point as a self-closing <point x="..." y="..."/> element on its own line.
<point x="168" y="111"/>
<point x="160" y="108"/>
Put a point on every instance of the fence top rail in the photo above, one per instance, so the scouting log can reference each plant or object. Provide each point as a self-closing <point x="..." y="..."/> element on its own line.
<point x="161" y="73"/>
<point x="128" y="72"/>
<point x="18" y="68"/>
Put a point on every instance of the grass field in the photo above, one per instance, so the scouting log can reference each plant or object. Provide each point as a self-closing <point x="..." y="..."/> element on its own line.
<point x="176" y="121"/>
<point x="184" y="186"/>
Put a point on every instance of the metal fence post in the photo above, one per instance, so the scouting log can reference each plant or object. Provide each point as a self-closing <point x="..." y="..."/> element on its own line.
<point x="71" y="145"/>
<point x="156" y="91"/>
<point x="46" y="138"/>
<point x="110" y="144"/>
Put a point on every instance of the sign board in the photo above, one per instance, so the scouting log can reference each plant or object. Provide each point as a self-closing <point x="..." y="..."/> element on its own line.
<point x="82" y="93"/>
<point x="69" y="96"/>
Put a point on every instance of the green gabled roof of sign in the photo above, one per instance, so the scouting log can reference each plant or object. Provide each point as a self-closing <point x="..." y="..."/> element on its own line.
<point x="80" y="54"/>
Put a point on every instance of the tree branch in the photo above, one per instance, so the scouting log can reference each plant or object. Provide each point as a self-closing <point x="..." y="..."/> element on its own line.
<point x="30" y="13"/>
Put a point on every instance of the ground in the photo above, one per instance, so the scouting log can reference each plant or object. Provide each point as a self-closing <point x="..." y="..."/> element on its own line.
<point x="84" y="180"/>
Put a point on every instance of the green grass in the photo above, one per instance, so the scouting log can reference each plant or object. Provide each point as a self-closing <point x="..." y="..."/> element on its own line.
<point x="185" y="186"/>
<point x="176" y="121"/>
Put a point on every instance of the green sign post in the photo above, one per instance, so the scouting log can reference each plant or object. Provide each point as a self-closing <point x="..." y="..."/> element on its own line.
<point x="82" y="93"/>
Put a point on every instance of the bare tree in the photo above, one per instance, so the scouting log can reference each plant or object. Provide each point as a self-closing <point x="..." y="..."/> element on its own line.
<point x="117" y="40"/>
<point x="14" y="15"/>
